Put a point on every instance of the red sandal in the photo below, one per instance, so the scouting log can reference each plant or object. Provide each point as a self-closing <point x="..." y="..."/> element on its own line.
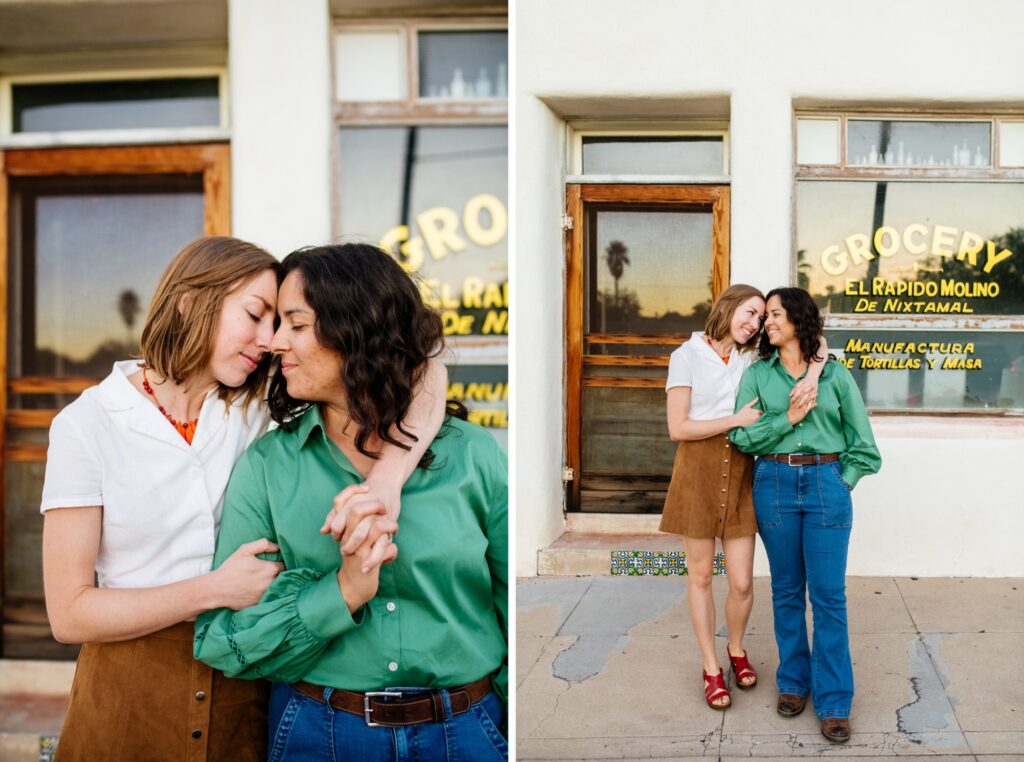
<point x="741" y="669"/>
<point x="714" y="689"/>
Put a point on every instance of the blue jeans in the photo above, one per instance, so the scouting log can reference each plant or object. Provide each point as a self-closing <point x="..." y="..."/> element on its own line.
<point x="307" y="730"/>
<point x="804" y="514"/>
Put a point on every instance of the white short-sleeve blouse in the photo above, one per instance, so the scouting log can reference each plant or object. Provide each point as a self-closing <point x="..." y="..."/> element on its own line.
<point x="714" y="383"/>
<point x="161" y="497"/>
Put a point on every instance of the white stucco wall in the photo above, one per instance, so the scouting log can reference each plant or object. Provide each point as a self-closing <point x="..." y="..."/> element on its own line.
<point x="948" y="500"/>
<point x="279" y="67"/>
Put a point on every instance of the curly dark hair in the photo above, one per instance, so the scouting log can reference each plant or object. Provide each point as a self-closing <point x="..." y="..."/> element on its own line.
<point x="370" y="312"/>
<point x="803" y="313"/>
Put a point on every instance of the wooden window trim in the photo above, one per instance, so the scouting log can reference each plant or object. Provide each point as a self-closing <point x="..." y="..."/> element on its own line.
<point x="577" y="196"/>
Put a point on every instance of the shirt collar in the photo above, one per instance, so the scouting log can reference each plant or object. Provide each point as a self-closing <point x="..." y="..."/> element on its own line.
<point x="309" y="422"/>
<point x="773" y="358"/>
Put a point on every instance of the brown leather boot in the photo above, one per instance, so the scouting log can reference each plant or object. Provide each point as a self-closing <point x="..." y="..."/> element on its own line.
<point x="836" y="729"/>
<point x="790" y="705"/>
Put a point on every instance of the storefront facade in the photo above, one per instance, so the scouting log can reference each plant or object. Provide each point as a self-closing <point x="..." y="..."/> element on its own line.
<point x="690" y="147"/>
<point x="128" y="129"/>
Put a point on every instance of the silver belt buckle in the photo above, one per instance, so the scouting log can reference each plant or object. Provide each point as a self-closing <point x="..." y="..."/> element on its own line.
<point x="789" y="459"/>
<point x="366" y="705"/>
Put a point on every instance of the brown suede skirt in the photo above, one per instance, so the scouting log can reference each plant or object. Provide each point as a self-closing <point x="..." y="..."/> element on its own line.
<point x="148" y="699"/>
<point x="710" y="493"/>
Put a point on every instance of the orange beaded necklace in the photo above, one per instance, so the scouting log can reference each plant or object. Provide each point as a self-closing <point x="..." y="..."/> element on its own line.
<point x="186" y="429"/>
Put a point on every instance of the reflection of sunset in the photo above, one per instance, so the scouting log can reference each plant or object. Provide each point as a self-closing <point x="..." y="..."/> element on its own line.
<point x="959" y="221"/>
<point x="669" y="254"/>
<point x="90" y="250"/>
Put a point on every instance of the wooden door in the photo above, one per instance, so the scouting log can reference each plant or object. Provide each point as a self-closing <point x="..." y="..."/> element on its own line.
<point x="644" y="264"/>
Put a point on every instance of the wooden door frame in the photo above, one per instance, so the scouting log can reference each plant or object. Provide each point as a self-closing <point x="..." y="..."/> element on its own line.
<point x="211" y="160"/>
<point x="577" y="195"/>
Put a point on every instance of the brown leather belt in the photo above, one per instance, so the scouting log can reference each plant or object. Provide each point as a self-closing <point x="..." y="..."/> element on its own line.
<point x="398" y="709"/>
<point x="802" y="459"/>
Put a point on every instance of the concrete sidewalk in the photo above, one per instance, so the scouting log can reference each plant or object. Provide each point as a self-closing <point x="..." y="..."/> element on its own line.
<point x="608" y="668"/>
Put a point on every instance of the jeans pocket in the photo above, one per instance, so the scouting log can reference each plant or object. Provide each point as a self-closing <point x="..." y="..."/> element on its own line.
<point x="280" y="734"/>
<point x="488" y="712"/>
<point x="758" y="470"/>
<point x="836" y="503"/>
<point x="766" y="494"/>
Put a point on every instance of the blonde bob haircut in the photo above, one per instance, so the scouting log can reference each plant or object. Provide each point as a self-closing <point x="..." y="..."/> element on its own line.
<point x="181" y="327"/>
<point x="719" y="321"/>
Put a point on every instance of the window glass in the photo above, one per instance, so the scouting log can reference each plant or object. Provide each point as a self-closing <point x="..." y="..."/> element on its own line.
<point x="463" y="65"/>
<point x="817" y="141"/>
<point x="934" y="369"/>
<point x="385" y="80"/>
<point x="182" y="102"/>
<point x="483" y="389"/>
<point x="436" y="198"/>
<point x="885" y="142"/>
<point x="922" y="248"/>
<point x="82" y="283"/>
<point x="648" y="269"/>
<point x="653" y="155"/>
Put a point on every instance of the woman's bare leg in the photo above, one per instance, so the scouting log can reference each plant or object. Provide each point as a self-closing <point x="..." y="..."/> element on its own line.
<point x="700" y="556"/>
<point x="739" y="559"/>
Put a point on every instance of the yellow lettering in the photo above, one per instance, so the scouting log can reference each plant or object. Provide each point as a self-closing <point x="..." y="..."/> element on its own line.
<point x="943" y="238"/>
<point x="472" y="290"/>
<point x="992" y="259"/>
<point x="438" y="227"/>
<point x="887" y="249"/>
<point x="970" y="245"/>
<point x="495" y="322"/>
<point x="834" y="260"/>
<point x="859" y="247"/>
<point x="471" y="219"/>
<point x="919" y="247"/>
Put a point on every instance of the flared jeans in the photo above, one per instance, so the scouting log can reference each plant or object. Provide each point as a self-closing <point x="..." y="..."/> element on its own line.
<point x="804" y="515"/>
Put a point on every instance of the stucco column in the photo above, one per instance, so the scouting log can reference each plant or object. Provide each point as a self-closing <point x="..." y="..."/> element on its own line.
<point x="281" y="129"/>
<point x="761" y="160"/>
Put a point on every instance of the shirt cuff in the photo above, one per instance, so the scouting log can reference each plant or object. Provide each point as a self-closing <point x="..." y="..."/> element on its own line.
<point x="323" y="611"/>
<point x="851" y="476"/>
<point x="781" y="425"/>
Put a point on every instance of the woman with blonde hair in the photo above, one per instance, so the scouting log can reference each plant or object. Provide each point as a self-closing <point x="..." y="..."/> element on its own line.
<point x="135" y="479"/>
<point x="709" y="496"/>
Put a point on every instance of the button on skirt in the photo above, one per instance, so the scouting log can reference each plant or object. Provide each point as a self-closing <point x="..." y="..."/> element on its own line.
<point x="148" y="699"/>
<point x="710" y="492"/>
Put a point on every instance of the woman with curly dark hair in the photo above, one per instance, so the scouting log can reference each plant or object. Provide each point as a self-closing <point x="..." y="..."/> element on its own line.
<point x="810" y="459"/>
<point x="389" y="646"/>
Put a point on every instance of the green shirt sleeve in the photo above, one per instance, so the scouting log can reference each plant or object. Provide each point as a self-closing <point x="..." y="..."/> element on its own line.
<point x="861" y="456"/>
<point x="286" y="633"/>
<point x="761" y="436"/>
<point x="497" y="556"/>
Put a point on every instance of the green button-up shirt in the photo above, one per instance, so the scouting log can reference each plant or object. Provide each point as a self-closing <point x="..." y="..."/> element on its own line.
<point x="838" y="424"/>
<point x="440" y="617"/>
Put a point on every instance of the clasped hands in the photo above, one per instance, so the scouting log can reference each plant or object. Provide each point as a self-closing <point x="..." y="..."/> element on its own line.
<point x="363" y="526"/>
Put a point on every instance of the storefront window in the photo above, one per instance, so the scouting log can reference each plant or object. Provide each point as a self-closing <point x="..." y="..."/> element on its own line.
<point x="139" y="103"/>
<point x="423" y="173"/>
<point x="920" y="270"/>
<point x="912" y="248"/>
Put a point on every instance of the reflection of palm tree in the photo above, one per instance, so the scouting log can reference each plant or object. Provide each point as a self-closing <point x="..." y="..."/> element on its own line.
<point x="128" y="306"/>
<point x="803" y="270"/>
<point x="616" y="256"/>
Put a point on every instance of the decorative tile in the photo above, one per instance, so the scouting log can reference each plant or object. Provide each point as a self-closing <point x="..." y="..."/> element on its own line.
<point x="47" y="748"/>
<point x="656" y="563"/>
